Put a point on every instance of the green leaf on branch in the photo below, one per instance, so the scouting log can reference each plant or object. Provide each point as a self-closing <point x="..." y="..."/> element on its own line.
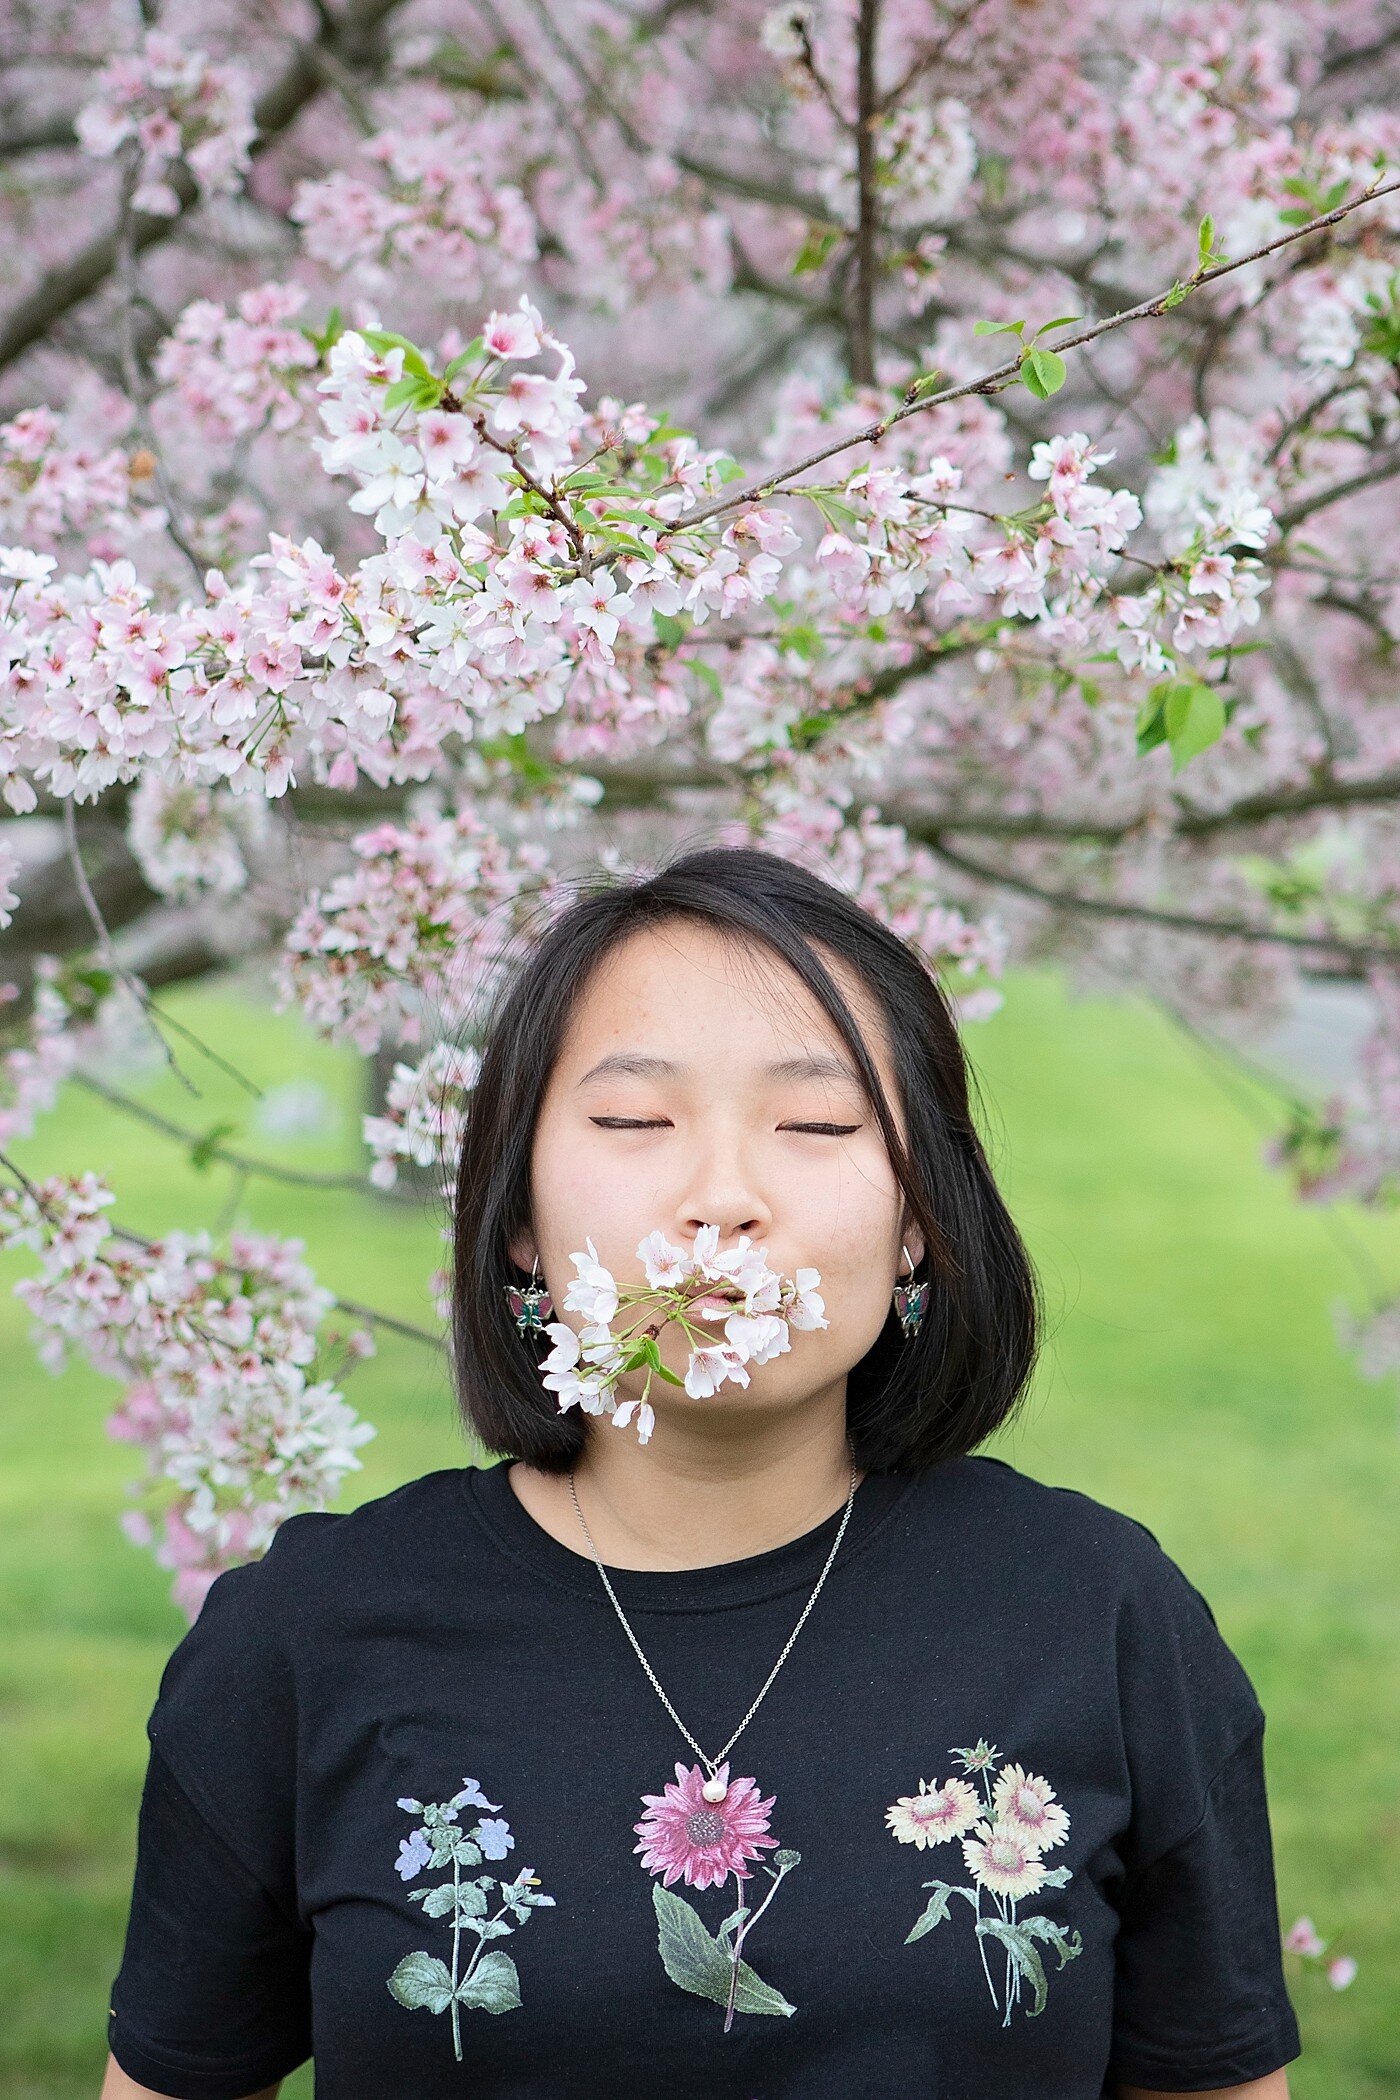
<point x="997" y="327"/>
<point x="815" y="249"/>
<point x="668" y="630"/>
<point x="205" y="1150"/>
<point x="465" y="357"/>
<point x="1185" y="713"/>
<point x="1044" y="373"/>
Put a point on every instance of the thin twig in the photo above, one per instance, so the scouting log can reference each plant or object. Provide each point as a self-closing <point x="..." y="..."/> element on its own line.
<point x="996" y="382"/>
<point x="1180" y="922"/>
<point x="156" y="1015"/>
<point x="297" y="1177"/>
<point x="352" y="1306"/>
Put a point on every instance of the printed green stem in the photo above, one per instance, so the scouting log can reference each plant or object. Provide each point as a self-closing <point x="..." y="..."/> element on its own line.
<point x="456" y="1944"/>
<point x="739" y="1937"/>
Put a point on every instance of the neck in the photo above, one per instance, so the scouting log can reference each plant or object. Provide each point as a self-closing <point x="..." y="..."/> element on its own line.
<point x="705" y="1489"/>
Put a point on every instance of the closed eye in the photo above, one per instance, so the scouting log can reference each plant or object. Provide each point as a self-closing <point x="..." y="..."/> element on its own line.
<point x="817" y="1129"/>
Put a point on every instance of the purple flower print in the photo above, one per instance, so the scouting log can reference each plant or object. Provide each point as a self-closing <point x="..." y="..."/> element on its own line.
<point x="414" y="1854"/>
<point x="471" y="1796"/>
<point x="487" y="1981"/>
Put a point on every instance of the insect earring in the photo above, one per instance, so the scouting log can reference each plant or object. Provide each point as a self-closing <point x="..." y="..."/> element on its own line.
<point x="910" y="1299"/>
<point x="532" y="1306"/>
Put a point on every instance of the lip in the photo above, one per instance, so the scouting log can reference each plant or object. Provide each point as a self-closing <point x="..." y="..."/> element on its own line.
<point x="710" y="1309"/>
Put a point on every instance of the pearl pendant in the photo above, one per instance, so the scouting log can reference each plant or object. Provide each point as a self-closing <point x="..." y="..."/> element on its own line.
<point x="714" y="1790"/>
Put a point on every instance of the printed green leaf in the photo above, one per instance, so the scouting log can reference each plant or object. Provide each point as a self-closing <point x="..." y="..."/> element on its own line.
<point x="1056" y="1877"/>
<point x="436" y="1902"/>
<point x="493" y="1986"/>
<point x="1066" y="1944"/>
<point x="698" y="1963"/>
<point x="934" y="1912"/>
<point x="1022" y="1952"/>
<point x="422" y="1980"/>
<point x="732" y="1923"/>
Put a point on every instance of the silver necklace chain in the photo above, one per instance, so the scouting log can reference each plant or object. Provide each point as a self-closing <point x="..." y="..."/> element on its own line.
<point x="711" y="1763"/>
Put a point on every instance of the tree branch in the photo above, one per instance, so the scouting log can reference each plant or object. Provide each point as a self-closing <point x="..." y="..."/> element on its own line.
<point x="996" y="382"/>
<point x="1181" y="922"/>
<point x="70" y="283"/>
<point x="862" y="332"/>
<point x="212" y="1149"/>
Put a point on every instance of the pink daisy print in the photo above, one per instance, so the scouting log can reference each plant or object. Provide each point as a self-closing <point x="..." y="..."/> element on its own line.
<point x="1006" y="1822"/>
<point x="1003" y="1861"/>
<point x="1026" y="1804"/>
<point x="687" y="1838"/>
<point x="934" y="1814"/>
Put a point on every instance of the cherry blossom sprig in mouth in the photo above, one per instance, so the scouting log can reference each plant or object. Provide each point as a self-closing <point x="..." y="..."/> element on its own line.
<point x="699" y="1288"/>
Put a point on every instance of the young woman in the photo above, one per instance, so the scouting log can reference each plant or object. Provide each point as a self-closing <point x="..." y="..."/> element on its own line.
<point x="793" y="1753"/>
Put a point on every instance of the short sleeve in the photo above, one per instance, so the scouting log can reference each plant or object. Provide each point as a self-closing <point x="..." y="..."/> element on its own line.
<point x="212" y="2001"/>
<point x="1199" y="1995"/>
<point x="1200" y="1999"/>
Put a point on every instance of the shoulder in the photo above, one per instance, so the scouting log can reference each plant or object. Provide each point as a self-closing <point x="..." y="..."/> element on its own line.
<point x="1041" y="1514"/>
<point x="1047" y="1534"/>
<point x="316" y="1553"/>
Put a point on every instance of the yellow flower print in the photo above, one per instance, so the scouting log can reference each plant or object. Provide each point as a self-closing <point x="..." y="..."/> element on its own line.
<point x="1003" y="1861"/>
<point x="1026" y="1804"/>
<point x="934" y="1814"/>
<point x="1006" y="1822"/>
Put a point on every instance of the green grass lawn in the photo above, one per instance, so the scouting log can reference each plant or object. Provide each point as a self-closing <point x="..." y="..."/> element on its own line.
<point x="1192" y="1379"/>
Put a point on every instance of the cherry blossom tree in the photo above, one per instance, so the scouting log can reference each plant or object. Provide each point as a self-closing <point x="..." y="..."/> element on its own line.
<point x="951" y="443"/>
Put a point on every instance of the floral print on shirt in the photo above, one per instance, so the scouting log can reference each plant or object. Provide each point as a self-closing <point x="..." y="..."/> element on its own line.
<point x="686" y="1838"/>
<point x="1005" y="1831"/>
<point x="489" y="1981"/>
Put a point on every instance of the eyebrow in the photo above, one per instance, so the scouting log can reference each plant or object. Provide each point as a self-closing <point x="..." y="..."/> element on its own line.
<point x="811" y="1064"/>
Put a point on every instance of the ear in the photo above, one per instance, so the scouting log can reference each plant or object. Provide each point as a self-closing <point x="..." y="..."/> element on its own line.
<point x="913" y="1239"/>
<point x="524" y="1253"/>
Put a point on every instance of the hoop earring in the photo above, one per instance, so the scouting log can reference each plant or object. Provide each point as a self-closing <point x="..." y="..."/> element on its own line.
<point x="532" y="1306"/>
<point x="910" y="1299"/>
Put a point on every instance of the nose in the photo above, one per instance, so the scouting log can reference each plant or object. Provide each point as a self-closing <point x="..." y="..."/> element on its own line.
<point x="719" y="1188"/>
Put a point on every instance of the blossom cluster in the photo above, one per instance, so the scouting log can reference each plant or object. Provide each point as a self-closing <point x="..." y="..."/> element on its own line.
<point x="702" y="1285"/>
<point x="1302" y="1938"/>
<point x="425" y="1112"/>
<point x="220" y="1359"/>
<point x="237" y="371"/>
<point x="177" y="105"/>
<point x="432" y="912"/>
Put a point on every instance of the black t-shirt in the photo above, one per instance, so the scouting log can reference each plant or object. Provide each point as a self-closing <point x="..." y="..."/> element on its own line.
<point x="998" y="1828"/>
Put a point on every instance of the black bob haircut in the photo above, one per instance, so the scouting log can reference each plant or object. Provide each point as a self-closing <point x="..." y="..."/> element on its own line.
<point x="909" y="1404"/>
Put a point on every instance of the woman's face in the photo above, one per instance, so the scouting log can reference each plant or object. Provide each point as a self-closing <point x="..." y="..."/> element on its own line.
<point x="666" y="1111"/>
